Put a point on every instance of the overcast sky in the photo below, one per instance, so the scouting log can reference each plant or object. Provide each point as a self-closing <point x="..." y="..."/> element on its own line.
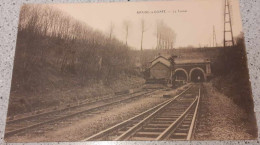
<point x="194" y="27"/>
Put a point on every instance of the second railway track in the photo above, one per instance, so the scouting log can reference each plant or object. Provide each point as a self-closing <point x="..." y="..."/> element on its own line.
<point x="173" y="119"/>
<point x="24" y="124"/>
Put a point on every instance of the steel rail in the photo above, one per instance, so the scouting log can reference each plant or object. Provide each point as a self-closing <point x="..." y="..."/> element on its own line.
<point x="65" y="108"/>
<point x="132" y="130"/>
<point x="113" y="128"/>
<point x="175" y="124"/>
<point x="12" y="132"/>
<point x="194" y="119"/>
<point x="118" y="126"/>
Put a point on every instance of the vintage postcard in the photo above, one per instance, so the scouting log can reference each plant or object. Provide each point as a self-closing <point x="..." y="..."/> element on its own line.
<point x="134" y="71"/>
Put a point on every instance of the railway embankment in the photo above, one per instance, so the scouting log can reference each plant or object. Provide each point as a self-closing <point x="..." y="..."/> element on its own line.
<point x="220" y="118"/>
<point x="66" y="93"/>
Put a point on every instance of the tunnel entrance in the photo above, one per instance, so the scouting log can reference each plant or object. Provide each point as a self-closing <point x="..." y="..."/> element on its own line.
<point x="180" y="76"/>
<point x="197" y="76"/>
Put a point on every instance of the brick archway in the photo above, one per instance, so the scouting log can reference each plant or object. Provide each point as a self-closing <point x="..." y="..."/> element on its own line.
<point x="200" y="69"/>
<point x="183" y="70"/>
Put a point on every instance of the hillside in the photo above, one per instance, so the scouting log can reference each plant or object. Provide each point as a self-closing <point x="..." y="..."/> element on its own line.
<point x="186" y="53"/>
<point x="60" y="60"/>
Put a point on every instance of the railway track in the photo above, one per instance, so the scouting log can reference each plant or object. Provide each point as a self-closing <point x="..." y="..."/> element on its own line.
<point x="68" y="106"/>
<point x="29" y="122"/>
<point x="173" y="119"/>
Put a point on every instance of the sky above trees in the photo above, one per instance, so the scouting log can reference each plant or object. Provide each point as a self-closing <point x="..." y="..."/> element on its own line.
<point x="193" y="26"/>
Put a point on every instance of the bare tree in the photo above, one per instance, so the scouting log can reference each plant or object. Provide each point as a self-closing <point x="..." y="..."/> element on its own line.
<point x="126" y="25"/>
<point x="111" y="30"/>
<point x="165" y="36"/>
<point x="47" y="36"/>
<point x="143" y="29"/>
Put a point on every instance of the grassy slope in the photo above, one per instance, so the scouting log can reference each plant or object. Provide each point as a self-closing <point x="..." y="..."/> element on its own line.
<point x="48" y="88"/>
<point x="232" y="79"/>
<point x="39" y="81"/>
<point x="239" y="91"/>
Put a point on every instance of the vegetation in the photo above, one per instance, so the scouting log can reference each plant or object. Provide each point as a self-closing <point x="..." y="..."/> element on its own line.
<point x="231" y="65"/>
<point x="166" y="37"/>
<point x="59" y="59"/>
<point x="57" y="52"/>
<point x="232" y="78"/>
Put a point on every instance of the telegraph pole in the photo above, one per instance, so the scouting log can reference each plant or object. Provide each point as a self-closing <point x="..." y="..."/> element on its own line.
<point x="227" y="21"/>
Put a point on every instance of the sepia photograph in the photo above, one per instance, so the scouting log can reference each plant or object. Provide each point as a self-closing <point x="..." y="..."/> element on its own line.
<point x="130" y="71"/>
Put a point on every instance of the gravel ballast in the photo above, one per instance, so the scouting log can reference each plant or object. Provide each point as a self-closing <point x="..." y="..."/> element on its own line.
<point x="81" y="127"/>
<point x="219" y="118"/>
